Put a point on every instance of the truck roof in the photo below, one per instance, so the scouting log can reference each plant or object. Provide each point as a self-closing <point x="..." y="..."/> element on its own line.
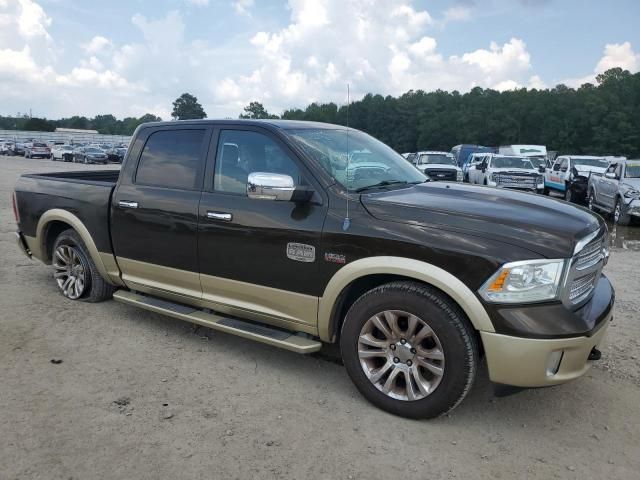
<point x="277" y="123"/>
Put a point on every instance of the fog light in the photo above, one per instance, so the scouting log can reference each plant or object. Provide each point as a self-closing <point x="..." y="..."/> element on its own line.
<point x="553" y="362"/>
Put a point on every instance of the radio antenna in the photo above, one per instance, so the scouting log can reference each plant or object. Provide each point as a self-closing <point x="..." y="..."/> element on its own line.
<point x="347" y="221"/>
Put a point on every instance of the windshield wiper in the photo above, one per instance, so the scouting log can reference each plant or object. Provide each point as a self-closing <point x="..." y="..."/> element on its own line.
<point x="383" y="183"/>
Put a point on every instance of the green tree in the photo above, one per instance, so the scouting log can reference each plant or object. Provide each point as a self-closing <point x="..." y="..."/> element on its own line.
<point x="256" y="110"/>
<point x="186" y="107"/>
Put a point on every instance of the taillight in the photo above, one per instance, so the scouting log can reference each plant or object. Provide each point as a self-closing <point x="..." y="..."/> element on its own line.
<point x="14" y="203"/>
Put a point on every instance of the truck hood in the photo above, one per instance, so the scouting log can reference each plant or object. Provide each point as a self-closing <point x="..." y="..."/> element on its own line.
<point x="583" y="170"/>
<point x="632" y="182"/>
<point x="548" y="227"/>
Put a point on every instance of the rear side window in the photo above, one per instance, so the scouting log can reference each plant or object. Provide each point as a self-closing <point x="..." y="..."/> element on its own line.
<point x="171" y="158"/>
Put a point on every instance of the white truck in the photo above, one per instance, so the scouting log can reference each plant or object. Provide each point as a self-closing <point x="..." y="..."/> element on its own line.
<point x="506" y="171"/>
<point x="438" y="166"/>
<point x="569" y="175"/>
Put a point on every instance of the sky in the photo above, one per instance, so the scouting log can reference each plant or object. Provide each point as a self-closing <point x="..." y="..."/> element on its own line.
<point x="60" y="58"/>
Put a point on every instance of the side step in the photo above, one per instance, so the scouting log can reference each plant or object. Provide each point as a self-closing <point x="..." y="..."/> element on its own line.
<point x="252" y="331"/>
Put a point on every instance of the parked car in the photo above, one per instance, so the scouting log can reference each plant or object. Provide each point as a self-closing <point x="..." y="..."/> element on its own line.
<point x="504" y="171"/>
<point x="89" y="155"/>
<point x="18" y="149"/>
<point x="438" y="166"/>
<point x="6" y="148"/>
<point x="37" y="149"/>
<point x="617" y="191"/>
<point x="570" y="175"/>
<point x="116" y="154"/>
<point x="63" y="153"/>
<point x="245" y="227"/>
<point x="463" y="152"/>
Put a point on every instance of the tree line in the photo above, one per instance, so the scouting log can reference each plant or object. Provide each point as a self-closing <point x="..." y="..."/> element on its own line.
<point x="601" y="118"/>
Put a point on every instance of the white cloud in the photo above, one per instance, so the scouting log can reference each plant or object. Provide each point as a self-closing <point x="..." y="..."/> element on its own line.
<point x="614" y="55"/>
<point x="457" y="13"/>
<point x="96" y="45"/>
<point x="32" y="21"/>
<point x="242" y="7"/>
<point x="618" y="55"/>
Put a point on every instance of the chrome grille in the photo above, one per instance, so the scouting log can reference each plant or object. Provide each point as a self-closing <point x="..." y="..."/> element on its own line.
<point x="441" y="174"/>
<point x="585" y="268"/>
<point x="590" y="254"/>
<point x="582" y="286"/>
<point x="516" y="181"/>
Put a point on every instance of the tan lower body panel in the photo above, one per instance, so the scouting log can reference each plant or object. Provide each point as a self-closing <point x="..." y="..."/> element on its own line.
<point x="280" y="308"/>
<point x="523" y="362"/>
<point x="34" y="247"/>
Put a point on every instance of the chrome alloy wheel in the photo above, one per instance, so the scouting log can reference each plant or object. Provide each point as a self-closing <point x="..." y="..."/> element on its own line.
<point x="401" y="355"/>
<point x="69" y="271"/>
<point x="616" y="213"/>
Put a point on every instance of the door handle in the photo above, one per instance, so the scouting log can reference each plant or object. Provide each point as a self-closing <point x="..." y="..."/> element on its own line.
<point x="127" y="204"/>
<point x="225" y="217"/>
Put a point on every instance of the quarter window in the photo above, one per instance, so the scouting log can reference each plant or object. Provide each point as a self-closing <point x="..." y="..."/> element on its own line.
<point x="171" y="159"/>
<point x="241" y="152"/>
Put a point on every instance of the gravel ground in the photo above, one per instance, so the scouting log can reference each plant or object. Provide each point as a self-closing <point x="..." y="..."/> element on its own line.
<point x="133" y="394"/>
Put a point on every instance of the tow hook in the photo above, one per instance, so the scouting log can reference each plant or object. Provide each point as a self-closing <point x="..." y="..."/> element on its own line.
<point x="595" y="354"/>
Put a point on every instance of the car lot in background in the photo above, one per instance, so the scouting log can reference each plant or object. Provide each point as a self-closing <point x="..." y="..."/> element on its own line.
<point x="89" y="155"/>
<point x="570" y="173"/>
<point x="617" y="191"/>
<point x="504" y="171"/>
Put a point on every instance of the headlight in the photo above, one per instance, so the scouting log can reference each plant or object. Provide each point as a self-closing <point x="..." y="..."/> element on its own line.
<point x="523" y="282"/>
<point x="631" y="193"/>
<point x="459" y="176"/>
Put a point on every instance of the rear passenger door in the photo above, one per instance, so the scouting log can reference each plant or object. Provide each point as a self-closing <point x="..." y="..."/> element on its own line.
<point x="154" y="219"/>
<point x="258" y="258"/>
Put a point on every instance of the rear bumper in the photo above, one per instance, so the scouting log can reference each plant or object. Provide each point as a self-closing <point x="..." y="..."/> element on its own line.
<point x="22" y="244"/>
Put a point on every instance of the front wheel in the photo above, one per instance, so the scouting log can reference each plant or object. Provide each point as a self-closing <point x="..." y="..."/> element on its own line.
<point x="75" y="272"/>
<point x="620" y="217"/>
<point x="409" y="350"/>
<point x="591" y="201"/>
<point x="568" y="194"/>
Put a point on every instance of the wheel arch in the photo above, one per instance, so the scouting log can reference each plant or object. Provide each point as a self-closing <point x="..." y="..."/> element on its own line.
<point x="361" y="275"/>
<point x="55" y="221"/>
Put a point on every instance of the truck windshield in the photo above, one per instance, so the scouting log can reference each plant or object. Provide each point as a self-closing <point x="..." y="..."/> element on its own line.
<point x="537" y="161"/>
<point x="511" y="162"/>
<point x="435" y="159"/>
<point x="591" y="162"/>
<point x="371" y="162"/>
<point x="632" y="170"/>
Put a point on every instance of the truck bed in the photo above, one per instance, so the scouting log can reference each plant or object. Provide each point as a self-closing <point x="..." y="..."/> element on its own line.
<point x="91" y="177"/>
<point x="84" y="194"/>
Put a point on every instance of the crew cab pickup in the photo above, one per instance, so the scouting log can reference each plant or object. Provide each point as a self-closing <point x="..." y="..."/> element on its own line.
<point x="262" y="229"/>
<point x="438" y="166"/>
<point x="569" y="175"/>
<point x="617" y="191"/>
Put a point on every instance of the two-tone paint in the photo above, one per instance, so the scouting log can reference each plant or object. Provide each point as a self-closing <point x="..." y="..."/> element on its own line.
<point x="452" y="236"/>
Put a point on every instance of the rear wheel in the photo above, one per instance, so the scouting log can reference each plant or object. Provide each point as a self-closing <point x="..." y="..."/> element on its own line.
<point x="409" y="350"/>
<point x="620" y="217"/>
<point x="75" y="273"/>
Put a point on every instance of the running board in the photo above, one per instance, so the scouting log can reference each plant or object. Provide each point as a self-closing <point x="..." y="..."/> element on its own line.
<point x="253" y="331"/>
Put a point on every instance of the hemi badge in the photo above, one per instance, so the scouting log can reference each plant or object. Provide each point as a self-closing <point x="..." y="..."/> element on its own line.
<point x="335" y="258"/>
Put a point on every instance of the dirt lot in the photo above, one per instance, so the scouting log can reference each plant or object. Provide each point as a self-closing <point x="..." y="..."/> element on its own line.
<point x="139" y="396"/>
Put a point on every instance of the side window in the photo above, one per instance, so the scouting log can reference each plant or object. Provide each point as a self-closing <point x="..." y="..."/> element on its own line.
<point x="619" y="171"/>
<point x="556" y="166"/>
<point x="171" y="158"/>
<point x="243" y="152"/>
<point x="564" y="165"/>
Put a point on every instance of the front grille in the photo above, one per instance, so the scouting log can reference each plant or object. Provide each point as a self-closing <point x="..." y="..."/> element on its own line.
<point x="586" y="266"/>
<point x="590" y="254"/>
<point x="441" y="174"/>
<point x="510" y="180"/>
<point x="582" y="286"/>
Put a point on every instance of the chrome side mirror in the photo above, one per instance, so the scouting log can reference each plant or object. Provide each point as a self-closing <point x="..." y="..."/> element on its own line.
<point x="610" y="175"/>
<point x="270" y="186"/>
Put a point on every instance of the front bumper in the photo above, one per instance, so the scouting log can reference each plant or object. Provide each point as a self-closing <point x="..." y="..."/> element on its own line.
<point x="547" y="348"/>
<point x="633" y="208"/>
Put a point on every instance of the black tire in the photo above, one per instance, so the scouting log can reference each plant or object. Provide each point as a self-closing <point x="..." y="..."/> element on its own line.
<point x="620" y="218"/>
<point x="568" y="193"/>
<point x="591" y="201"/>
<point x="96" y="288"/>
<point x="448" y="322"/>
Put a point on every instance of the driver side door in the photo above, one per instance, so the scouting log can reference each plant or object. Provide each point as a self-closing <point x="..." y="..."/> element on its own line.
<point x="258" y="258"/>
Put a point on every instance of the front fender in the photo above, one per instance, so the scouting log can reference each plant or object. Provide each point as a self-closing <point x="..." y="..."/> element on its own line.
<point x="406" y="267"/>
